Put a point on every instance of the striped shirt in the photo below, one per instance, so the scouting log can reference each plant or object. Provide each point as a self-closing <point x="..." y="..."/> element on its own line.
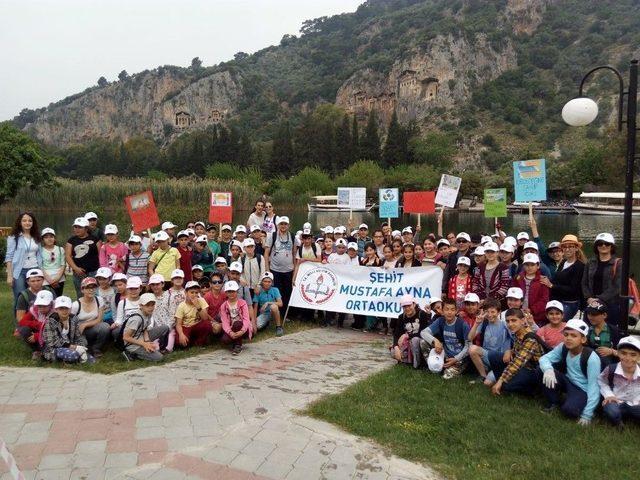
<point x="138" y="266"/>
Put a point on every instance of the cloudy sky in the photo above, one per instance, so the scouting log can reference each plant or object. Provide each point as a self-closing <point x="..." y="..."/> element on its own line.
<point x="54" y="48"/>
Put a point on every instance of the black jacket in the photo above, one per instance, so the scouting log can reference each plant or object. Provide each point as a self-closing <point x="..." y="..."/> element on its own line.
<point x="567" y="284"/>
<point x="402" y="325"/>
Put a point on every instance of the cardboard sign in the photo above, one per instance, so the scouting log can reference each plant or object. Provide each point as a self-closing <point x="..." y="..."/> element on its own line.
<point x="389" y="202"/>
<point x="495" y="202"/>
<point x="419" y="202"/>
<point x="448" y="190"/>
<point x="220" y="207"/>
<point x="142" y="211"/>
<point x="352" y="198"/>
<point x="530" y="180"/>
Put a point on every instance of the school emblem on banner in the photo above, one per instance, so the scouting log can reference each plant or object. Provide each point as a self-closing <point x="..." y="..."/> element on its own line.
<point x="317" y="286"/>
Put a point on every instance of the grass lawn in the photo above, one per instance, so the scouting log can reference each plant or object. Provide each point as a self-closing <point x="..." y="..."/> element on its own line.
<point x="14" y="352"/>
<point x="463" y="432"/>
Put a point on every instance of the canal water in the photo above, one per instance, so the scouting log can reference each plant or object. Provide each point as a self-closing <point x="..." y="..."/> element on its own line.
<point x="551" y="226"/>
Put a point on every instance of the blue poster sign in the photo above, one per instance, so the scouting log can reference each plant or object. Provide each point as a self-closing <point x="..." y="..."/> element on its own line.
<point x="530" y="180"/>
<point x="389" y="203"/>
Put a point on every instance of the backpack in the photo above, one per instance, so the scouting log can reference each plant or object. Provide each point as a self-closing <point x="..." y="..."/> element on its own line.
<point x="459" y="325"/>
<point x="611" y="373"/>
<point x="257" y="257"/>
<point x="545" y="347"/>
<point x="314" y="247"/>
<point x="584" y="360"/>
<point x="274" y="236"/>
<point x="119" y="340"/>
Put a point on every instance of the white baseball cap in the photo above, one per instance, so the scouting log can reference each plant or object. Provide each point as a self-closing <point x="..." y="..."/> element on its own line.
<point x="268" y="275"/>
<point x="478" y="251"/>
<point x="507" y="247"/>
<point x="104" y="272"/>
<point x="306" y="225"/>
<point x="254" y="228"/>
<point x="531" y="258"/>
<point x="341" y="242"/>
<point x="156" y="278"/>
<point x="161" y="236"/>
<point x="241" y="228"/>
<point x="352" y="246"/>
<point x="147" y="298"/>
<point x="463" y="236"/>
<point x="110" y="229"/>
<point x="48" y="231"/>
<point x="363" y="226"/>
<point x="464" y="261"/>
<point x="306" y="232"/>
<point x="134" y="282"/>
<point x="328" y="229"/>
<point x="407" y="299"/>
<point x="43" y="297"/>
<point x="34" y="272"/>
<point x="339" y="229"/>
<point x="532" y="245"/>
<point x="226" y="227"/>
<point x="167" y="225"/>
<point x="235" y="267"/>
<point x="249" y="242"/>
<point x="134" y="239"/>
<point x="90" y="216"/>
<point x="190" y="232"/>
<point x="629" y="342"/>
<point x="553" y="245"/>
<point x="231" y="286"/>
<point x="182" y="233"/>
<point x="577" y="325"/>
<point x="433" y="300"/>
<point x="199" y="222"/>
<point x="197" y="267"/>
<point x="554" y="304"/>
<point x="491" y="247"/>
<point x="81" y="222"/>
<point x="121" y="276"/>
<point x="605" y="237"/>
<point x="396" y="233"/>
<point x="177" y="273"/>
<point x="515" y="292"/>
<point x="201" y="239"/>
<point x="63" y="302"/>
<point x="485" y="239"/>
<point x="407" y="230"/>
<point x="283" y="219"/>
<point x="522" y="236"/>
<point x="191" y="284"/>
<point x="435" y="361"/>
<point x="443" y="241"/>
<point x="510" y="241"/>
<point x="471" y="298"/>
<point x="220" y="260"/>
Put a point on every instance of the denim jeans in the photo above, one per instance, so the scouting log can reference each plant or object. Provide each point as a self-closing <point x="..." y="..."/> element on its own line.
<point x="19" y="285"/>
<point x="570" y="309"/>
<point x="524" y="381"/>
<point x="616" y="412"/>
<point x="575" y="398"/>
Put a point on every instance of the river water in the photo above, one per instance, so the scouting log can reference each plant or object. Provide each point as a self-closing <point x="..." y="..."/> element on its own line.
<point x="551" y="226"/>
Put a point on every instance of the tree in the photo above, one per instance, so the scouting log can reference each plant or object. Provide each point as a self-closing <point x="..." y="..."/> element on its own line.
<point x="395" y="150"/>
<point x="102" y="82"/>
<point x="23" y="162"/>
<point x="370" y="141"/>
<point x="344" y="145"/>
<point x="196" y="63"/>
<point x="282" y="155"/>
<point x="123" y="75"/>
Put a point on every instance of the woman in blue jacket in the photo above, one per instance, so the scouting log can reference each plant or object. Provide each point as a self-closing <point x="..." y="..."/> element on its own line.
<point x="23" y="252"/>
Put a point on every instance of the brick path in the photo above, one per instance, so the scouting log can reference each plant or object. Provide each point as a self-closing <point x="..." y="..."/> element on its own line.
<point x="212" y="416"/>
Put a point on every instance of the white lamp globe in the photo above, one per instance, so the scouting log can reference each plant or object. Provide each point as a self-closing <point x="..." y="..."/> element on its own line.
<point x="579" y="112"/>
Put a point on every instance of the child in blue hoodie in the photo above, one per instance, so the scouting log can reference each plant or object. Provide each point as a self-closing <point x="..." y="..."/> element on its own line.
<point x="572" y="368"/>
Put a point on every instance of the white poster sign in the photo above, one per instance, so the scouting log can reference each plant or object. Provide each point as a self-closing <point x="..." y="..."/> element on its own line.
<point x="359" y="290"/>
<point x="448" y="190"/>
<point x="352" y="198"/>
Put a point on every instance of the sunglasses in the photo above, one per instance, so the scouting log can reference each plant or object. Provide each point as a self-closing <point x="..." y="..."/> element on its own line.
<point x="269" y="206"/>
<point x="461" y="240"/>
<point x="90" y="286"/>
<point x="602" y="244"/>
<point x="216" y="282"/>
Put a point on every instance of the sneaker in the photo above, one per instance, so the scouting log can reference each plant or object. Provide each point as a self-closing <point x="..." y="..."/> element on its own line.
<point x="236" y="349"/>
<point x="126" y="356"/>
<point x="279" y="331"/>
<point x="97" y="353"/>
<point x="550" y="409"/>
<point x="447" y="376"/>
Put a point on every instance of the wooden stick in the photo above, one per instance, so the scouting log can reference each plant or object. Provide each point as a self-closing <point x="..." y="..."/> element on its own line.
<point x="389" y="222"/>
<point x="419" y="218"/>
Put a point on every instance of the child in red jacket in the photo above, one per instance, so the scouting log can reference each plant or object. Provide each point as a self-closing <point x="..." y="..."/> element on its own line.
<point x="536" y="295"/>
<point x="32" y="323"/>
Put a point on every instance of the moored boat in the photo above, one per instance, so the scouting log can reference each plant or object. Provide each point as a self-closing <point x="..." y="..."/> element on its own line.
<point x="329" y="203"/>
<point x="605" y="203"/>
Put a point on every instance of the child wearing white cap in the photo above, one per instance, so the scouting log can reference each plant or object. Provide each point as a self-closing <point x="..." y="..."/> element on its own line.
<point x="139" y="334"/>
<point x="63" y="340"/>
<point x="461" y="283"/>
<point x="31" y="325"/>
<point x="406" y="332"/>
<point x="573" y="369"/>
<point x="553" y="332"/>
<point x="165" y="259"/>
<point x="136" y="262"/>
<point x="536" y="294"/>
<point x="128" y="305"/>
<point x="53" y="261"/>
<point x="35" y="279"/>
<point x="113" y="252"/>
<point x="236" y="321"/>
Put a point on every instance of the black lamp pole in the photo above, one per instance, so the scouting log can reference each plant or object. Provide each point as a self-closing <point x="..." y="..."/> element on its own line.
<point x="632" y="106"/>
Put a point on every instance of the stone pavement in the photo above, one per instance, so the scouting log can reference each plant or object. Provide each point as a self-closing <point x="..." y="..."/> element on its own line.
<point x="211" y="416"/>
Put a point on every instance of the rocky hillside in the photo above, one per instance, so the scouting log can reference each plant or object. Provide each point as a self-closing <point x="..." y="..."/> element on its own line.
<point x="483" y="65"/>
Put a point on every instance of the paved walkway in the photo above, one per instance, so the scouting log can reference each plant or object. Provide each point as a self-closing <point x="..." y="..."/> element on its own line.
<point x="213" y="416"/>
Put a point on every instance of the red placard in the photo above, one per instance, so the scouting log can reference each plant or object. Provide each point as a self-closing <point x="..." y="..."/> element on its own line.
<point x="419" y="202"/>
<point x="220" y="207"/>
<point x="142" y="210"/>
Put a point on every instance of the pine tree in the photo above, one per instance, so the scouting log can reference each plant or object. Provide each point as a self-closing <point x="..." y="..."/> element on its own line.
<point x="282" y="154"/>
<point x="344" y="146"/>
<point x="370" y="141"/>
<point x="395" y="149"/>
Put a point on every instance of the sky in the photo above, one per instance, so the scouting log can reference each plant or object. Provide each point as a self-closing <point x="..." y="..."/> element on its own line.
<point x="54" y="48"/>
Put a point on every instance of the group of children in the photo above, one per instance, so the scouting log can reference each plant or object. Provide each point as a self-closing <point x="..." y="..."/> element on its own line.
<point x="576" y="365"/>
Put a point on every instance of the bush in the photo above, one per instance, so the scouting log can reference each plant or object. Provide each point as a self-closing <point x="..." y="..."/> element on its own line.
<point x="363" y="173"/>
<point x="222" y="171"/>
<point x="310" y="180"/>
<point x="412" y="177"/>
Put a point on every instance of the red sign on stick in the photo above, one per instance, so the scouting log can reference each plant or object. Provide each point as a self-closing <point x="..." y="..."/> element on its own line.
<point x="142" y="210"/>
<point x="419" y="202"/>
<point x="220" y="207"/>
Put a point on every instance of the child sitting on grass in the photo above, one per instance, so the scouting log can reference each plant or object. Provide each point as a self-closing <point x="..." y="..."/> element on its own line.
<point x="448" y="334"/>
<point x="62" y="338"/>
<point x="620" y="384"/>
<point x="603" y="337"/>
<point x="406" y="332"/>
<point x="491" y="335"/>
<point x="552" y="333"/>
<point x="572" y="368"/>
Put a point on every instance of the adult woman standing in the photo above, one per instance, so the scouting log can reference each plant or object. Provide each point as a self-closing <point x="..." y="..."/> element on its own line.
<point x="602" y="276"/>
<point x="566" y="286"/>
<point x="23" y="252"/>
<point x="269" y="223"/>
<point x="82" y="253"/>
<point x="257" y="216"/>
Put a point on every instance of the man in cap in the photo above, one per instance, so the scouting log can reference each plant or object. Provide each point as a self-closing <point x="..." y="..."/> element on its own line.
<point x="572" y="368"/>
<point x="280" y="255"/>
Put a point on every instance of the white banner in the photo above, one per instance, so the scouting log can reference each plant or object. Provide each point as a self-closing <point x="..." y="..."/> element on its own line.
<point x="371" y="291"/>
<point x="448" y="190"/>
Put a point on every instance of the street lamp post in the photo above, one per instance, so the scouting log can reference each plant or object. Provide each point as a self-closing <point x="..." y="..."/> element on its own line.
<point x="582" y="111"/>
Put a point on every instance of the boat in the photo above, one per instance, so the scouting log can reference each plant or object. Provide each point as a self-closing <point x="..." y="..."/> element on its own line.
<point x="605" y="203"/>
<point x="329" y="203"/>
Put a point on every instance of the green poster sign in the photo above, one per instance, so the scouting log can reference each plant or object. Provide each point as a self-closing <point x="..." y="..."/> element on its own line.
<point x="495" y="202"/>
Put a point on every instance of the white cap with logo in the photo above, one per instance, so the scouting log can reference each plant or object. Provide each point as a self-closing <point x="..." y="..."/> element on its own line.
<point x="110" y="229"/>
<point x="515" y="292"/>
<point x="43" y="298"/>
<point x="63" y="302"/>
<point x="147" y="298"/>
<point x="235" y="267"/>
<point x="577" y="325"/>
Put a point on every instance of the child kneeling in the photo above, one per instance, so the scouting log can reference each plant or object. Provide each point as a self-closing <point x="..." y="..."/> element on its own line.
<point x="138" y="336"/>
<point x="491" y="336"/>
